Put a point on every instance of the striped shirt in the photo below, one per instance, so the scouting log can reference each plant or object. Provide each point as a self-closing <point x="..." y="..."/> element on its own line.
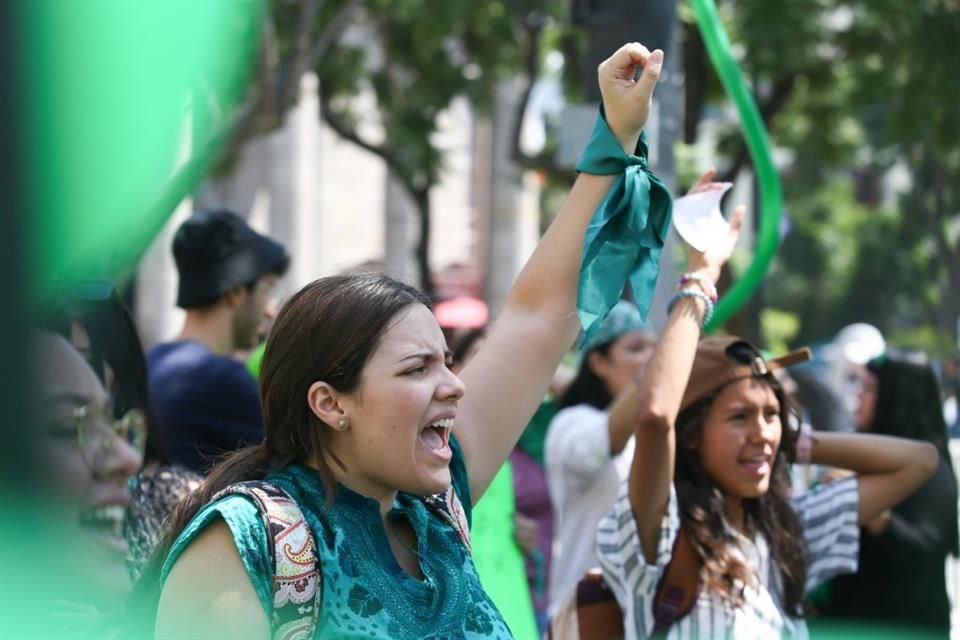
<point x="828" y="515"/>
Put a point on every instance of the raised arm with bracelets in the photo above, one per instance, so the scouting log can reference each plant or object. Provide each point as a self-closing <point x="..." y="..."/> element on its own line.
<point x="623" y="411"/>
<point x="662" y="389"/>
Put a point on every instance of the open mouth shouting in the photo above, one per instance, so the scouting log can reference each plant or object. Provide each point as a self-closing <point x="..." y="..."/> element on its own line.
<point x="435" y="438"/>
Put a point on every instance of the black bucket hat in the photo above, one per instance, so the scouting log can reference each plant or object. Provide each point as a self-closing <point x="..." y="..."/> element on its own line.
<point x="217" y="251"/>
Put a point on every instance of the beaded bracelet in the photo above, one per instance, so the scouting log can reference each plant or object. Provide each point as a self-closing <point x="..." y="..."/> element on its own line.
<point x="705" y="283"/>
<point x="699" y="295"/>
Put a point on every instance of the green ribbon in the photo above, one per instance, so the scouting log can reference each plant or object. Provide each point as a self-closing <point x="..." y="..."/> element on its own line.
<point x="626" y="234"/>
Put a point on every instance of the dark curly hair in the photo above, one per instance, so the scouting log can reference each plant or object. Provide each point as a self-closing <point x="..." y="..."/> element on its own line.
<point x="702" y="511"/>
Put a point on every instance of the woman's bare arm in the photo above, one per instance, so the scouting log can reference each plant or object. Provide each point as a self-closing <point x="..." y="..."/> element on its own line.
<point x="208" y="593"/>
<point x="889" y="469"/>
<point x="661" y="390"/>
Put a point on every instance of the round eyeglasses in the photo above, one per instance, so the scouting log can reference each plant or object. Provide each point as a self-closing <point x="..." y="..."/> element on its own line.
<point x="98" y="432"/>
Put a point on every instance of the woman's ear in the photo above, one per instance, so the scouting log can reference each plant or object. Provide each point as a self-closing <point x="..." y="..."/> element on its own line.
<point x="324" y="402"/>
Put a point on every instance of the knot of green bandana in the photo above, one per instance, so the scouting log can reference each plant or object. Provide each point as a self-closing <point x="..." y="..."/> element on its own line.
<point x="626" y="234"/>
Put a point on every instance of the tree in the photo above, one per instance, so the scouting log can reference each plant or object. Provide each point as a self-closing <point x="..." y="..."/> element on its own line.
<point x="852" y="90"/>
<point x="415" y="57"/>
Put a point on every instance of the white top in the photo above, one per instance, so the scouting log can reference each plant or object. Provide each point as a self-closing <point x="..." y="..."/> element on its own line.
<point x="828" y="515"/>
<point x="583" y="479"/>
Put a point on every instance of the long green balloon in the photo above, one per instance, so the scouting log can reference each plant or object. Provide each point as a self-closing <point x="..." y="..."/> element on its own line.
<point x="126" y="105"/>
<point x="771" y="194"/>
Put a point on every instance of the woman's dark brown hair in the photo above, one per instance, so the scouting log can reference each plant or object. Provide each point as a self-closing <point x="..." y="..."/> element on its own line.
<point x="702" y="507"/>
<point x="326" y="331"/>
<point x="587" y="387"/>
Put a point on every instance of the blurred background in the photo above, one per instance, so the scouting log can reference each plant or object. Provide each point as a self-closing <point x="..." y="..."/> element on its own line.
<point x="435" y="140"/>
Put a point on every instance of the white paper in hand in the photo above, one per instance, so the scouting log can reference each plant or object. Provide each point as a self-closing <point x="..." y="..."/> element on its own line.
<point x="697" y="217"/>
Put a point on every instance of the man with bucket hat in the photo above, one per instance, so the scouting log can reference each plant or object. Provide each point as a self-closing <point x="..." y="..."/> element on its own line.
<point x="205" y="402"/>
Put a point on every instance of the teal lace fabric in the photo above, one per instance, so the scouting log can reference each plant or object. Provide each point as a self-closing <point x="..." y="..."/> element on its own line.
<point x="365" y="592"/>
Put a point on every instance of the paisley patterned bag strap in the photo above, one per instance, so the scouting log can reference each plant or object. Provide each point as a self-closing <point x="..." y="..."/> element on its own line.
<point x="297" y="579"/>
<point x="448" y="506"/>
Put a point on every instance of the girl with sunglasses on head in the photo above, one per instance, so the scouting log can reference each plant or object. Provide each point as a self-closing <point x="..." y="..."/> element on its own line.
<point x="709" y="486"/>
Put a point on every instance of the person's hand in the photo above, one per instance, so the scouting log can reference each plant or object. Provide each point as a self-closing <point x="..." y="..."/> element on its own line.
<point x="710" y="262"/>
<point x="705" y="183"/>
<point x="525" y="533"/>
<point x="627" y="98"/>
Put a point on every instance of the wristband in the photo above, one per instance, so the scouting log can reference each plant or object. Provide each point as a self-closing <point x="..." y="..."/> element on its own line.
<point x="705" y="283"/>
<point x="699" y="295"/>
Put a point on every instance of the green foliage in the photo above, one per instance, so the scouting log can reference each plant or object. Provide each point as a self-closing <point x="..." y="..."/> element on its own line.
<point x="413" y="58"/>
<point x="924" y="338"/>
<point x="778" y="328"/>
<point x="417" y="57"/>
<point x="852" y="90"/>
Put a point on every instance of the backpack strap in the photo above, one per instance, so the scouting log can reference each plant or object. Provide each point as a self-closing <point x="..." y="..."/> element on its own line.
<point x="297" y="577"/>
<point x="679" y="587"/>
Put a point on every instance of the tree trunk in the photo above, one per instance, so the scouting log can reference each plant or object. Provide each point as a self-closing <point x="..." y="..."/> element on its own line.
<point x="421" y="198"/>
<point x="935" y="211"/>
<point x="505" y="253"/>
<point x="696" y="78"/>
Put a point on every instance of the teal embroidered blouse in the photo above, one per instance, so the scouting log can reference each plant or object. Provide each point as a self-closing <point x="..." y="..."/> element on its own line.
<point x="365" y="592"/>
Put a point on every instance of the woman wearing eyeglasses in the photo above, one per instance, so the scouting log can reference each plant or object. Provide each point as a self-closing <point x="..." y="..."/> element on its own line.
<point x="87" y="456"/>
<point x="92" y="316"/>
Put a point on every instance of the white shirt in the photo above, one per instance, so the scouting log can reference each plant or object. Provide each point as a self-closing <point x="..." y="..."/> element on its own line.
<point x="582" y="478"/>
<point x="828" y="515"/>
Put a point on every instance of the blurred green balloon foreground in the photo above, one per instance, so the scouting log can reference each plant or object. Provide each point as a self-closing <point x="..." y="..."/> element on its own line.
<point x="126" y="104"/>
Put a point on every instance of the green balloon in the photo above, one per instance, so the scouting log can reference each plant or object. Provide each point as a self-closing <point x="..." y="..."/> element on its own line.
<point x="755" y="133"/>
<point x="498" y="559"/>
<point x="126" y="105"/>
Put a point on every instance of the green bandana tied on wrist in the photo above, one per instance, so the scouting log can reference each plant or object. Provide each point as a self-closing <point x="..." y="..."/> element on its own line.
<point x="626" y="235"/>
